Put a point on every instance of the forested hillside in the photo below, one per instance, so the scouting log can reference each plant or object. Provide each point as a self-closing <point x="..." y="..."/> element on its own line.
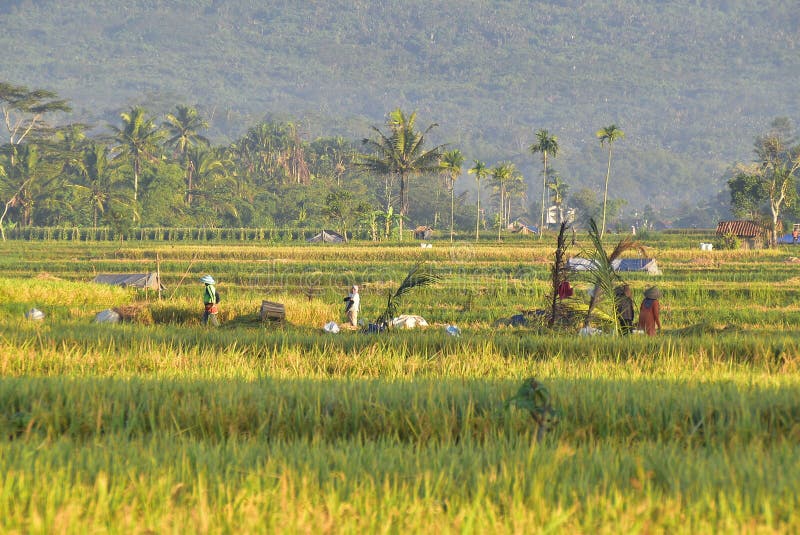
<point x="690" y="82"/>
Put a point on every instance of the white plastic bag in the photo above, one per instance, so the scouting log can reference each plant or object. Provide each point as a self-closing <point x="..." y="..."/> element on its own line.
<point x="589" y="331"/>
<point x="331" y="327"/>
<point x="34" y="314"/>
<point x="107" y="316"/>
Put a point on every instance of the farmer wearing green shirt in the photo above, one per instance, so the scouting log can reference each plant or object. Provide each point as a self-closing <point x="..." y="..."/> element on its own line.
<point x="210" y="301"/>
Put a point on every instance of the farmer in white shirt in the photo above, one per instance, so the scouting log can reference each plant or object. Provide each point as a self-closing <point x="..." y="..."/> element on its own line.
<point x="352" y="305"/>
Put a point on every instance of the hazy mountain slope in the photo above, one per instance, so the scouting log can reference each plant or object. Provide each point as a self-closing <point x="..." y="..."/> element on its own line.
<point x="690" y="82"/>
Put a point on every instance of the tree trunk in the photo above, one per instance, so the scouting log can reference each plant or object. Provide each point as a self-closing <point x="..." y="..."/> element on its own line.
<point x="544" y="188"/>
<point x="478" y="215"/>
<point x="452" y="206"/>
<point x="189" y="175"/>
<point x="605" y="191"/>
<point x="135" y="188"/>
<point x="403" y="202"/>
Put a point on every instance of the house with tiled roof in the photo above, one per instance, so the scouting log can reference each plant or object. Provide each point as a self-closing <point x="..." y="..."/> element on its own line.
<point x="750" y="233"/>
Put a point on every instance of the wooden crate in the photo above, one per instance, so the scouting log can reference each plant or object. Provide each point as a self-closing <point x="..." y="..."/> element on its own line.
<point x="272" y="311"/>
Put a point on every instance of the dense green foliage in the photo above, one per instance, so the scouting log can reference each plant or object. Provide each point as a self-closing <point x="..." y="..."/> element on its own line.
<point x="691" y="83"/>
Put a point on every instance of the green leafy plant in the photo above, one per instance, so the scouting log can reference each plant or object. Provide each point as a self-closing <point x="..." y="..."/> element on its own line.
<point x="418" y="277"/>
<point x="728" y="241"/>
<point x="602" y="274"/>
<point x="533" y="397"/>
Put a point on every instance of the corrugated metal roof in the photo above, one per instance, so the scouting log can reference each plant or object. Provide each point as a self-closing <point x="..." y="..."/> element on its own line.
<point x="740" y="229"/>
<point x="136" y="280"/>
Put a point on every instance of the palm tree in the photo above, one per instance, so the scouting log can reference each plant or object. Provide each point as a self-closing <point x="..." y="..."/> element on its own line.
<point x="92" y="169"/>
<point x="608" y="134"/>
<point x="515" y="189"/>
<point x="138" y="140"/>
<point x="546" y="144"/>
<point x="183" y="128"/>
<point x="559" y="189"/>
<point x="400" y="152"/>
<point x="480" y="171"/>
<point x="451" y="163"/>
<point x="214" y="185"/>
<point x="502" y="174"/>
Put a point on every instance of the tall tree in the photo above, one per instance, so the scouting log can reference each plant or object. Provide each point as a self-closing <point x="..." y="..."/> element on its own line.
<point x="339" y="209"/>
<point x="559" y="189"/>
<point x="400" y="152"/>
<point x="451" y="163"/>
<point x="218" y="193"/>
<point x="24" y="109"/>
<point x="480" y="171"/>
<point x="272" y="154"/>
<point x="20" y="167"/>
<point x="138" y="140"/>
<point x="183" y="130"/>
<point x="608" y="134"/>
<point x="502" y="174"/>
<point x="93" y="173"/>
<point x="772" y="176"/>
<point x="546" y="145"/>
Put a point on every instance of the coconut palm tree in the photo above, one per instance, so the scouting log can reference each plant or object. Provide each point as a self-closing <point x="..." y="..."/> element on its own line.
<point x="502" y="174"/>
<point x="400" y="152"/>
<point x="608" y="134"/>
<point x="183" y="130"/>
<point x="480" y="171"/>
<point x="451" y="163"/>
<point x="559" y="189"/>
<point x="516" y="189"/>
<point x="547" y="145"/>
<point x="138" y="140"/>
<point x="214" y="185"/>
<point x="92" y="170"/>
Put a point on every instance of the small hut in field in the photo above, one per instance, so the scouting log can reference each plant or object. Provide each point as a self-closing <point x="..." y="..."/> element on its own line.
<point x="327" y="236"/>
<point x="750" y="233"/>
<point x="520" y="226"/>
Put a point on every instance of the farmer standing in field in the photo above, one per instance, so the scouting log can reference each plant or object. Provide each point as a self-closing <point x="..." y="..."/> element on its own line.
<point x="352" y="305"/>
<point x="625" y="312"/>
<point x="649" y="319"/>
<point x="210" y="301"/>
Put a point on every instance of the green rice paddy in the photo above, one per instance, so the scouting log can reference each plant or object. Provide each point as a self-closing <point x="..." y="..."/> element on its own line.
<point x="161" y="425"/>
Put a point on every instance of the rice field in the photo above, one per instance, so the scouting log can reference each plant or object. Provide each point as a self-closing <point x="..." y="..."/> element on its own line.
<point x="161" y="425"/>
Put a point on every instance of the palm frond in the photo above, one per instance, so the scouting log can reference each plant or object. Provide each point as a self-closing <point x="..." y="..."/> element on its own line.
<point x="418" y="277"/>
<point x="603" y="276"/>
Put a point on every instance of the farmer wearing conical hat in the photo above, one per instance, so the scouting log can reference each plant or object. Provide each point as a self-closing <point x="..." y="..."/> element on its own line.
<point x="649" y="319"/>
<point x="210" y="301"/>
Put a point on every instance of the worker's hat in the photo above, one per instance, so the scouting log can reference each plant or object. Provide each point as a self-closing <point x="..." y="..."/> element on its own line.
<point x="208" y="279"/>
